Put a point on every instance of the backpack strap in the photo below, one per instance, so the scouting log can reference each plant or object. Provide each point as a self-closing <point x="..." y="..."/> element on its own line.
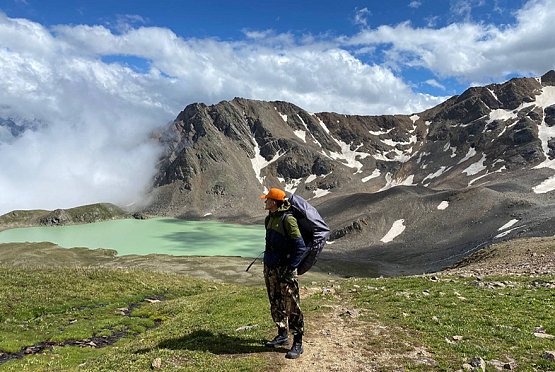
<point x="282" y="224"/>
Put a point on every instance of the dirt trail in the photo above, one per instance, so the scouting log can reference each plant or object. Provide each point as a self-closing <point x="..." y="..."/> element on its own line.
<point x="337" y="340"/>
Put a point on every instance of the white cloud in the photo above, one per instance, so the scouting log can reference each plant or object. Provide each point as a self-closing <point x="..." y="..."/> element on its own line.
<point x="98" y="115"/>
<point x="125" y="22"/>
<point x="472" y="51"/>
<point x="463" y="8"/>
<point x="361" y="16"/>
<point x="434" y="83"/>
<point x="415" y="4"/>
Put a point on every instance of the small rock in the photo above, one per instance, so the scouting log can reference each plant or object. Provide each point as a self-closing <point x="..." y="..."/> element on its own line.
<point x="426" y="293"/>
<point x="316" y="355"/>
<point x="543" y="335"/>
<point x="467" y="367"/>
<point x="246" y="328"/>
<point x="549" y="355"/>
<point x="435" y="318"/>
<point x="434" y="279"/>
<point x="458" y="338"/>
<point x="156" y="363"/>
<point x="149" y="300"/>
<point x="426" y="361"/>
<point x="328" y="291"/>
<point x="510" y="365"/>
<point x="478" y="364"/>
<point x="314" y="283"/>
<point x="497" y="364"/>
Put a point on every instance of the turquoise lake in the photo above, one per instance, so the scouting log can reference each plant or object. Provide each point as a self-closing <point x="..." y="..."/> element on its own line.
<point x="157" y="235"/>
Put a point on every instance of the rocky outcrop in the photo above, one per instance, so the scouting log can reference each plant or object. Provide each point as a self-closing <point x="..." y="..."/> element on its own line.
<point x="56" y="218"/>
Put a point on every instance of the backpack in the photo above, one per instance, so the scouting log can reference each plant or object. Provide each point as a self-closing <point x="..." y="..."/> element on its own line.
<point x="313" y="230"/>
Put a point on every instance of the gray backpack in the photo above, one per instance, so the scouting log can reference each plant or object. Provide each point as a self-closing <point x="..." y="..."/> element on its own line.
<point x="313" y="230"/>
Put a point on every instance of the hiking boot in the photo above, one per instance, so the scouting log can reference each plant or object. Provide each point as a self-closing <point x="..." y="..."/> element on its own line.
<point x="296" y="349"/>
<point x="281" y="339"/>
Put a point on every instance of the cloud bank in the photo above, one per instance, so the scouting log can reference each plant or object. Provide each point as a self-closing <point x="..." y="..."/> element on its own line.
<point x="471" y="51"/>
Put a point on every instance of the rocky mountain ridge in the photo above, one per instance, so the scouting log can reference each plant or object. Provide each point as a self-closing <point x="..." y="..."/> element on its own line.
<point x="430" y="187"/>
<point x="84" y="214"/>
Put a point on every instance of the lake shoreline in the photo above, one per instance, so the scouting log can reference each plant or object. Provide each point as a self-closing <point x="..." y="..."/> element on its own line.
<point x="150" y="236"/>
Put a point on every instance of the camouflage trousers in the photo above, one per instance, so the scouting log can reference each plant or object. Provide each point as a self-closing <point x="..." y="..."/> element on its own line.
<point x="283" y="292"/>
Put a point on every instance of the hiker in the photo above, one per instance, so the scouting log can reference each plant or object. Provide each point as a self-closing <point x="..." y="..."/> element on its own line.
<point x="282" y="256"/>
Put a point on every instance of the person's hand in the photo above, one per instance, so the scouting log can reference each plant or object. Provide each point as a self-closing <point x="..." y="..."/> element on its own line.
<point x="290" y="273"/>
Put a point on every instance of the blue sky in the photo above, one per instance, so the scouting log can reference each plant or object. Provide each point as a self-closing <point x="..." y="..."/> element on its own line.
<point x="229" y="20"/>
<point x="99" y="76"/>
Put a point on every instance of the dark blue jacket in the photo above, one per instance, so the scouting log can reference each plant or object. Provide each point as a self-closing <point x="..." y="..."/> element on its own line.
<point x="283" y="250"/>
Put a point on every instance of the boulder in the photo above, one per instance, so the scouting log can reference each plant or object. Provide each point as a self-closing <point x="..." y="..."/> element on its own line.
<point x="549" y="355"/>
<point x="478" y="364"/>
<point x="56" y="218"/>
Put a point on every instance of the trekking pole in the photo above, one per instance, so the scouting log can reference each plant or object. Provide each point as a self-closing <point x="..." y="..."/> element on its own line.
<point x="252" y="263"/>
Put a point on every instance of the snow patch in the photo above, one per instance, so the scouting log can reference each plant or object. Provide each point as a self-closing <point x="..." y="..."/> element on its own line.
<point x="284" y="117"/>
<point x="396" y="230"/>
<point x="476" y="167"/>
<point x="310" y="178"/>
<point x="322" y="124"/>
<point x="390" y="182"/>
<point x="207" y="214"/>
<point x="301" y="134"/>
<point x="414" y="118"/>
<point x="422" y="154"/>
<point x="380" y="132"/>
<point x="319" y="193"/>
<point x="493" y="94"/>
<point x="545" y="99"/>
<point x="292" y="186"/>
<point x="259" y="162"/>
<point x="546" y="186"/>
<point x="374" y="174"/>
<point x="471" y="152"/>
<point x="487" y="173"/>
<point x="349" y="156"/>
<point x="438" y="173"/>
<point x="506" y="233"/>
<point x="507" y="225"/>
<point x="443" y="205"/>
<point x="501" y="114"/>
<point x="453" y="149"/>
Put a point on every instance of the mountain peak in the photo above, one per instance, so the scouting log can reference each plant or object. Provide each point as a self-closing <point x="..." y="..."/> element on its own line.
<point x="548" y="78"/>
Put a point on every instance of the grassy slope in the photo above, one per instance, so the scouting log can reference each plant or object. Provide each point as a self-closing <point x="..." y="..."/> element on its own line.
<point x="83" y="214"/>
<point x="199" y="319"/>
